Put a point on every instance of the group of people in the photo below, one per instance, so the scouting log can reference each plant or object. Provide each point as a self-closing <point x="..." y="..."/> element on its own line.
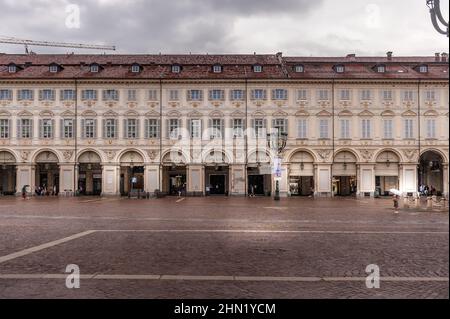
<point x="44" y="191"/>
<point x="426" y="190"/>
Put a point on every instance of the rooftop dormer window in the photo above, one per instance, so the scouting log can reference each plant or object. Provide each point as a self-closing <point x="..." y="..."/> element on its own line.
<point x="94" y="68"/>
<point x="53" y="68"/>
<point x="299" y="68"/>
<point x="217" y="68"/>
<point x="423" y="68"/>
<point x="381" y="68"/>
<point x="257" y="68"/>
<point x="12" y="68"/>
<point x="176" y="68"/>
<point x="136" y="68"/>
<point x="339" y="69"/>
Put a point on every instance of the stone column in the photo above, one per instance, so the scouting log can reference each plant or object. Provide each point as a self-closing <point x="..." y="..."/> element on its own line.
<point x="24" y="176"/>
<point x="366" y="179"/>
<point x="66" y="178"/>
<point x="446" y="179"/>
<point x="110" y="180"/>
<point x="152" y="178"/>
<point x="237" y="180"/>
<point x="196" y="179"/>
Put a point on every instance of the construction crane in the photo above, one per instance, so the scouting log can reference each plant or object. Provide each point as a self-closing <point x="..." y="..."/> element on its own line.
<point x="26" y="43"/>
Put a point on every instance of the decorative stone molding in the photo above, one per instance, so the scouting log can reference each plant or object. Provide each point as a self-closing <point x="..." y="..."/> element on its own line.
<point x="324" y="154"/>
<point x="410" y="154"/>
<point x="366" y="155"/>
<point x="110" y="154"/>
<point x="25" y="155"/>
<point x="152" y="154"/>
<point x="67" y="155"/>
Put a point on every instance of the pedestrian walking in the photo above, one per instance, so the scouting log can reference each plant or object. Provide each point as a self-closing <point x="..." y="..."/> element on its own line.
<point x="24" y="192"/>
<point x="396" y="199"/>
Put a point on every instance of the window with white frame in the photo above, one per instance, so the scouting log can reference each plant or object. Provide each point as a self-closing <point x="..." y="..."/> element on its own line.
<point x="4" y="129"/>
<point x="110" y="128"/>
<point x="408" y="128"/>
<point x="153" y="95"/>
<point x="94" y="68"/>
<point x="25" y="128"/>
<point x="259" y="127"/>
<point x="6" y="95"/>
<point x="345" y="95"/>
<point x="431" y="128"/>
<point x="174" y="128"/>
<point x="110" y="95"/>
<point x="152" y="128"/>
<point x="176" y="68"/>
<point x="302" y="95"/>
<point x="299" y="68"/>
<point x="259" y="94"/>
<point x="322" y="95"/>
<point x="366" y="128"/>
<point x="46" y="95"/>
<point x="216" y="128"/>
<point x="430" y="95"/>
<point x="67" y="95"/>
<point x="366" y="95"/>
<point x="423" y="69"/>
<point x="89" y="127"/>
<point x="387" y="95"/>
<point x="135" y="68"/>
<point x="53" y="68"/>
<point x="131" y="128"/>
<point x="215" y="95"/>
<point x="195" y="95"/>
<point x="345" y="128"/>
<point x="46" y="129"/>
<point x="323" y="128"/>
<point x="67" y="128"/>
<point x="340" y="68"/>
<point x="279" y="94"/>
<point x="381" y="68"/>
<point x="238" y="127"/>
<point x="237" y="95"/>
<point x="12" y="68"/>
<point x="217" y="68"/>
<point x="196" y="128"/>
<point x="388" y="129"/>
<point x="280" y="125"/>
<point x="132" y="95"/>
<point x="408" y="96"/>
<point x="25" y="94"/>
<point x="89" y="95"/>
<point x="257" y="68"/>
<point x="302" y="128"/>
<point x="174" y="95"/>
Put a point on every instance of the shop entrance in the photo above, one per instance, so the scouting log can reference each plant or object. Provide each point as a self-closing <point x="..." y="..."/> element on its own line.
<point x="256" y="185"/>
<point x="431" y="173"/>
<point x="301" y="185"/>
<point x="7" y="174"/>
<point x="217" y="184"/>
<point x="384" y="183"/>
<point x="47" y="174"/>
<point x="344" y="185"/>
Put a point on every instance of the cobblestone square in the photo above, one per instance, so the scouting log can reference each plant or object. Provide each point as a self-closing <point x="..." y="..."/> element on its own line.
<point x="219" y="247"/>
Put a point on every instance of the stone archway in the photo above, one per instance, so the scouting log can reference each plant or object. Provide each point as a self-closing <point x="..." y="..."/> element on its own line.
<point x="132" y="171"/>
<point x="7" y="173"/>
<point x="387" y="171"/>
<point x="47" y="173"/>
<point x="90" y="173"/>
<point x="345" y="174"/>
<point x="301" y="174"/>
<point x="431" y="173"/>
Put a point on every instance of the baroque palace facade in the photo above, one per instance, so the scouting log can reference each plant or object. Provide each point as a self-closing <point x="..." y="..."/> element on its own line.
<point x="197" y="124"/>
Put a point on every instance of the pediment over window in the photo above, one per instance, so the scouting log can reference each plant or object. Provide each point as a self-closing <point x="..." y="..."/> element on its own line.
<point x="366" y="113"/>
<point x="131" y="113"/>
<point x="324" y="113"/>
<point x="280" y="114"/>
<point x="388" y="113"/>
<point x="216" y="114"/>
<point x="25" y="114"/>
<point x="302" y="113"/>
<point x="46" y="114"/>
<point x="409" y="113"/>
<point x="258" y="114"/>
<point x="152" y="114"/>
<point x="88" y="113"/>
<point x="174" y="114"/>
<point x="67" y="114"/>
<point x="110" y="114"/>
<point x="5" y="113"/>
<point x="237" y="114"/>
<point x="345" y="113"/>
<point x="195" y="114"/>
<point x="431" y="113"/>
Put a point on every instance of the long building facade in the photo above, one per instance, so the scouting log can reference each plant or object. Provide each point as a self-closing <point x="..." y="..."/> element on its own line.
<point x="198" y="124"/>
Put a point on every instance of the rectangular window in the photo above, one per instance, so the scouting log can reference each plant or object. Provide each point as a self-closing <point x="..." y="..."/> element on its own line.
<point x="25" y="128"/>
<point x="387" y="128"/>
<point x="408" y="96"/>
<point x="345" y="128"/>
<point x="430" y="95"/>
<point x="67" y="128"/>
<point x="152" y="128"/>
<point x="110" y="95"/>
<point x="174" y="95"/>
<point x="237" y="95"/>
<point x="322" y="95"/>
<point x="174" y="128"/>
<point x="302" y="95"/>
<point x="366" y="95"/>
<point x="323" y="128"/>
<point x="279" y="94"/>
<point x="215" y="95"/>
<point x="46" y="95"/>
<point x="89" y="128"/>
<point x="67" y="95"/>
<point x="259" y="126"/>
<point x="26" y="95"/>
<point x="302" y="128"/>
<point x="280" y="125"/>
<point x="366" y="129"/>
<point x="238" y="127"/>
<point x="132" y="95"/>
<point x="4" y="129"/>
<point x="131" y="128"/>
<point x="89" y="95"/>
<point x="259" y="94"/>
<point x="6" y="95"/>
<point x="195" y="95"/>
<point x="110" y="128"/>
<point x="153" y="95"/>
<point x="196" y="128"/>
<point x="345" y="95"/>
<point x="216" y="128"/>
<point x="408" y="128"/>
<point x="431" y="128"/>
<point x="387" y="95"/>
<point x="46" y="129"/>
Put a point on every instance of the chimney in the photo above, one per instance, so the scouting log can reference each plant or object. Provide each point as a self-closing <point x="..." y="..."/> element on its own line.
<point x="389" y="55"/>
<point x="437" y="57"/>
<point x="351" y="56"/>
<point x="444" y="57"/>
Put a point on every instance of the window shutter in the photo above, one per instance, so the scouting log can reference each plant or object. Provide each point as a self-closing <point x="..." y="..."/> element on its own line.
<point x="53" y="129"/>
<point x="201" y="95"/>
<point x="265" y="123"/>
<point x="222" y="128"/>
<point x="252" y="124"/>
<point x="168" y="129"/>
<point x="41" y="95"/>
<point x="104" y="95"/>
<point x="41" y="129"/>
<point x="61" y="128"/>
<point x="273" y="123"/>
<point x="158" y="128"/>
<point x="95" y="128"/>
<point x="146" y="128"/>
<point x="104" y="128"/>
<point x="138" y="129"/>
<point x="19" y="129"/>
<point x="189" y="127"/>
<point x="125" y="128"/>
<point x="286" y="126"/>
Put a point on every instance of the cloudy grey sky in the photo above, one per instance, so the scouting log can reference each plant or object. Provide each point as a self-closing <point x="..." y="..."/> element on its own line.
<point x="295" y="27"/>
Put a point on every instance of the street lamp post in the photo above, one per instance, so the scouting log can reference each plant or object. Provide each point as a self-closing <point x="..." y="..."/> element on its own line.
<point x="277" y="142"/>
<point x="436" y="16"/>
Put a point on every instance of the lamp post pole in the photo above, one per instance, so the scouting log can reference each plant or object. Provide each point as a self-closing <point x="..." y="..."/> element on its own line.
<point x="436" y="17"/>
<point x="277" y="142"/>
